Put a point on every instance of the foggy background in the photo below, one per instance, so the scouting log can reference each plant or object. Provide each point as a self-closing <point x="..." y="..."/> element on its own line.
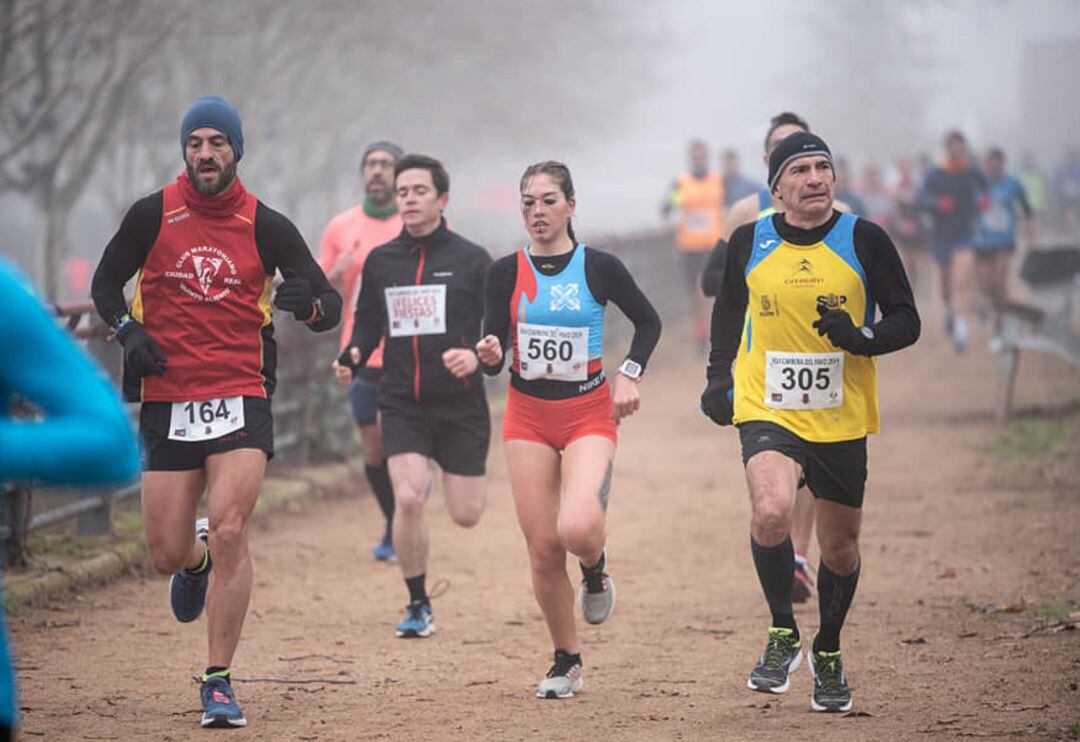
<point x="92" y="93"/>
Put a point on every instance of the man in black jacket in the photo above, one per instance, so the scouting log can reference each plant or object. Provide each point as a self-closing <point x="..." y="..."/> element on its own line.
<point x="424" y="291"/>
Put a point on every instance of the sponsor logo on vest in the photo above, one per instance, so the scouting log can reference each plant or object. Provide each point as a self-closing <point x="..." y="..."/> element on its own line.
<point x="565" y="296"/>
<point x="766" y="244"/>
<point x="832" y="301"/>
<point x="802" y="275"/>
<point x="178" y="218"/>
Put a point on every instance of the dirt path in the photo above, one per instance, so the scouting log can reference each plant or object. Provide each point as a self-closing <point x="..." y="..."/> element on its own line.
<point x="950" y="531"/>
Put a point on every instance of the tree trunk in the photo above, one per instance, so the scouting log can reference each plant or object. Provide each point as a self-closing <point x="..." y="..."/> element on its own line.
<point x="53" y="237"/>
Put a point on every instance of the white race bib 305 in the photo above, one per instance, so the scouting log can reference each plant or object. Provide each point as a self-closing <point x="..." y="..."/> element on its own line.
<point x="416" y="310"/>
<point x="804" y="381"/>
<point x="207" y="420"/>
<point x="549" y="352"/>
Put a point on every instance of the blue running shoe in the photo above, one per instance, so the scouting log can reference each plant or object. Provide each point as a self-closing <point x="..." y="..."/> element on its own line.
<point x="418" y="622"/>
<point x="187" y="591"/>
<point x="220" y="709"/>
<point x="384" y="550"/>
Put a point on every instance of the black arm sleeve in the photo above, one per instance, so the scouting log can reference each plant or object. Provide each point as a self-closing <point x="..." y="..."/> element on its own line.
<point x="713" y="275"/>
<point x="899" y="325"/>
<point x="282" y="248"/>
<point x="729" y="309"/>
<point x="124" y="255"/>
<point x="370" y="313"/>
<point x="609" y="280"/>
<point x="1021" y="197"/>
<point x="498" y="289"/>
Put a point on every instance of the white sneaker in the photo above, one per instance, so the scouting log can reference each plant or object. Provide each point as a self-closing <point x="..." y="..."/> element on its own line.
<point x="597" y="605"/>
<point x="563" y="679"/>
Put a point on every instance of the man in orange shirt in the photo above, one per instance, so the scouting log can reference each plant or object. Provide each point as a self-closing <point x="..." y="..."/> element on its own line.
<point x="349" y="239"/>
<point x="698" y="194"/>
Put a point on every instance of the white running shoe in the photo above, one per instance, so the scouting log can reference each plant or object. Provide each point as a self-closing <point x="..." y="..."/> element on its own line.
<point x="597" y="595"/>
<point x="563" y="679"/>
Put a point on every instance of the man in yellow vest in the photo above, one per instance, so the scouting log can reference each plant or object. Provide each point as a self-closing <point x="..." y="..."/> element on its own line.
<point x="698" y="195"/>
<point x="799" y="322"/>
<point x="748" y="210"/>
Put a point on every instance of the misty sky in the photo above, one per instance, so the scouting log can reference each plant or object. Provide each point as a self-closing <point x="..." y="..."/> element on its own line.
<point x="729" y="67"/>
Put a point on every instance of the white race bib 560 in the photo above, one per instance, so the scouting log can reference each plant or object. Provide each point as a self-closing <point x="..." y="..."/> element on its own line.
<point x="549" y="352"/>
<point x="207" y="420"/>
<point x="804" y="381"/>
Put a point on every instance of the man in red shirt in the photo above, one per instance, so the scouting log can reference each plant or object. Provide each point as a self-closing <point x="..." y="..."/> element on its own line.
<point x="199" y="353"/>
<point x="349" y="239"/>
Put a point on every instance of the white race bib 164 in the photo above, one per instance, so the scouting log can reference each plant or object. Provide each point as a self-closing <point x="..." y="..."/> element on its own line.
<point x="804" y="381"/>
<point x="549" y="352"/>
<point x="206" y="420"/>
<point x="416" y="310"/>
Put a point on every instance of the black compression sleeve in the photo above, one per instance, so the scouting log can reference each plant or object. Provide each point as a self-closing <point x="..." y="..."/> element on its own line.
<point x="370" y="315"/>
<point x="282" y="248"/>
<point x="498" y="289"/>
<point x="899" y="325"/>
<point x="1025" y="205"/>
<point x="124" y="255"/>
<point x="729" y="309"/>
<point x="609" y="279"/>
<point x="712" y="277"/>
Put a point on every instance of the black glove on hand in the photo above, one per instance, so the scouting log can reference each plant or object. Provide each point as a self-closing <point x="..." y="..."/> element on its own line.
<point x="841" y="331"/>
<point x="345" y="359"/>
<point x="142" y="354"/>
<point x="717" y="400"/>
<point x="295" y="295"/>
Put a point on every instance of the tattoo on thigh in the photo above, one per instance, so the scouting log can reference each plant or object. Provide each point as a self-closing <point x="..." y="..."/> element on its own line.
<point x="605" y="487"/>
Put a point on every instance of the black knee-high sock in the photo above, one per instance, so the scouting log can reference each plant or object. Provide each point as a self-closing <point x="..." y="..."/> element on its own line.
<point x="776" y="572"/>
<point x="417" y="590"/>
<point x="834" y="598"/>
<point x="379" y="478"/>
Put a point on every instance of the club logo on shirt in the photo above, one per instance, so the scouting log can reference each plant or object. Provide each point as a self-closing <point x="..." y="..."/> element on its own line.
<point x="565" y="296"/>
<point x="205" y="273"/>
<point x="770" y="306"/>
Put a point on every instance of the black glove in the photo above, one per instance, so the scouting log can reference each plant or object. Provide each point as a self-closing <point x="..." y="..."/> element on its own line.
<point x="142" y="354"/>
<point x="842" y="332"/>
<point x="345" y="359"/>
<point x="295" y="295"/>
<point x="717" y="401"/>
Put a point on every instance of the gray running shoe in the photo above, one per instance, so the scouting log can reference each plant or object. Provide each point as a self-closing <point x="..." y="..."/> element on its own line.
<point x="831" y="692"/>
<point x="782" y="656"/>
<point x="563" y="679"/>
<point x="597" y="595"/>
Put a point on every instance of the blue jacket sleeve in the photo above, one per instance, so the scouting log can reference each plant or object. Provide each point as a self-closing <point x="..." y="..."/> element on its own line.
<point x="83" y="436"/>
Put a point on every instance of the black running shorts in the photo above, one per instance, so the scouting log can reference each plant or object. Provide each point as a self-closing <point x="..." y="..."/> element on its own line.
<point x="833" y="471"/>
<point x="162" y="454"/>
<point x="454" y="430"/>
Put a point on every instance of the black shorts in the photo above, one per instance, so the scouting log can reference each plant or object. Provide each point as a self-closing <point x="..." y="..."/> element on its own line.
<point x="162" y="454"/>
<point x="454" y="430"/>
<point x="833" y="471"/>
<point x="693" y="263"/>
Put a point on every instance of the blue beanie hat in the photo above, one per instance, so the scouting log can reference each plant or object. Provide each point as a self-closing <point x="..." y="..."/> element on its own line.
<point x="217" y="113"/>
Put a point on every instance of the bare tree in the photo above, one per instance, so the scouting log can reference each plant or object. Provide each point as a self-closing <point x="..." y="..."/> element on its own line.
<point x="66" y="67"/>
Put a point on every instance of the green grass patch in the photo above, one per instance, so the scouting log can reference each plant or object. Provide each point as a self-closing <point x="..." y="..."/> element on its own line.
<point x="1052" y="611"/>
<point x="1038" y="439"/>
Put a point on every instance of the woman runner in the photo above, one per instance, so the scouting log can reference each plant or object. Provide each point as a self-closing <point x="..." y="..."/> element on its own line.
<point x="546" y="304"/>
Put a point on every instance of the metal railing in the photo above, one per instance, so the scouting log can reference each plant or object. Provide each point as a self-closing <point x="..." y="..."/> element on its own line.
<point x="311" y="414"/>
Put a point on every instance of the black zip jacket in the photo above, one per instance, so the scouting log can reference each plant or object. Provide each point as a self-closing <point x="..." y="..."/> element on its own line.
<point x="412" y="364"/>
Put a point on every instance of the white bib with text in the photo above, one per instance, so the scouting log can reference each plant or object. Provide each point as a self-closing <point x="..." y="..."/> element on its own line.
<point x="416" y="310"/>
<point x="550" y="352"/>
<point x="207" y="420"/>
<point x="804" y="381"/>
